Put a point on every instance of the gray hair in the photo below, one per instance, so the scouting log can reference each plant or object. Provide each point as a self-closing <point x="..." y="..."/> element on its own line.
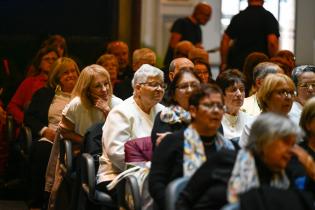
<point x="262" y="69"/>
<point x="145" y="71"/>
<point x="299" y="70"/>
<point x="269" y="127"/>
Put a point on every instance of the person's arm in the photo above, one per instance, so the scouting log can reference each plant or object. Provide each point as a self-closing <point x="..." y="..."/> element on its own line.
<point x="67" y="130"/>
<point x="116" y="132"/>
<point x="175" y="38"/>
<point x="306" y="160"/>
<point x="224" y="50"/>
<point x="273" y="44"/>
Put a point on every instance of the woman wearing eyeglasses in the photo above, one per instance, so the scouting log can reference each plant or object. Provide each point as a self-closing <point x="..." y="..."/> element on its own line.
<point x="176" y="116"/>
<point x="183" y="152"/>
<point x="232" y="83"/>
<point x="275" y="95"/>
<point x="130" y="120"/>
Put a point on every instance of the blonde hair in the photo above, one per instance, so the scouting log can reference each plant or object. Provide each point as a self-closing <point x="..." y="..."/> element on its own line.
<point x="308" y="114"/>
<point x="58" y="68"/>
<point x="82" y="87"/>
<point x="105" y="57"/>
<point x="270" y="83"/>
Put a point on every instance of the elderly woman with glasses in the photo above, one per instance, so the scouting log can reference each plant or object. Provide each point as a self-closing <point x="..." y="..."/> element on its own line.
<point x="232" y="83"/>
<point x="304" y="80"/>
<point x="130" y="120"/>
<point x="271" y="145"/>
<point x="176" y="115"/>
<point x="275" y="95"/>
<point x="183" y="152"/>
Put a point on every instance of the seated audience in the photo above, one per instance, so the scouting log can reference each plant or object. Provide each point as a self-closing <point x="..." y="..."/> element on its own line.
<point x="92" y="99"/>
<point x="203" y="71"/>
<point x="304" y="80"/>
<point x="183" y="152"/>
<point x="176" y="65"/>
<point x="262" y="69"/>
<point x="275" y="95"/>
<point x="176" y="116"/>
<point x="121" y="51"/>
<point x="43" y="117"/>
<point x="206" y="189"/>
<point x="44" y="58"/>
<point x="307" y="123"/>
<point x="57" y="41"/>
<point x="110" y="63"/>
<point x="248" y="68"/>
<point x="263" y="161"/>
<point x="130" y="120"/>
<point x="182" y="49"/>
<point x="232" y="84"/>
<point x="140" y="56"/>
<point x="283" y="63"/>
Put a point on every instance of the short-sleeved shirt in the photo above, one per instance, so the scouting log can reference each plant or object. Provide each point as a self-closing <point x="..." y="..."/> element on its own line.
<point x="249" y="30"/>
<point x="189" y="31"/>
<point x="82" y="117"/>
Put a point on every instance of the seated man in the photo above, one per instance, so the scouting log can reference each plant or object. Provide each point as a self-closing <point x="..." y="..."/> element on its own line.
<point x="132" y="119"/>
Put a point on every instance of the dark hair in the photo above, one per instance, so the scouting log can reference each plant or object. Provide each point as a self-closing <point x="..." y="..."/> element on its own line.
<point x="228" y="78"/>
<point x="172" y="86"/>
<point x="54" y="41"/>
<point x="203" y="91"/>
<point x="200" y="61"/>
<point x="40" y="54"/>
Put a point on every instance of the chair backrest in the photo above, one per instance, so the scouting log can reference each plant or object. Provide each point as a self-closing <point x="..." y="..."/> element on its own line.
<point x="88" y="182"/>
<point x="25" y="141"/>
<point x="172" y="191"/>
<point x="65" y="156"/>
<point x="129" y="193"/>
<point x="88" y="174"/>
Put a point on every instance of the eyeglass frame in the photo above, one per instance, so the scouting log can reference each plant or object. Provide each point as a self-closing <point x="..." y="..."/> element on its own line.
<point x="213" y="106"/>
<point x="163" y="86"/>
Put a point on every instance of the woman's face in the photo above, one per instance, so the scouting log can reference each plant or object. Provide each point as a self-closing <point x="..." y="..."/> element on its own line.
<point x="281" y="99"/>
<point x="277" y="153"/>
<point x="68" y="78"/>
<point x="111" y="66"/>
<point x="184" y="87"/>
<point x="99" y="88"/>
<point x="47" y="61"/>
<point x="234" y="97"/>
<point x="202" y="72"/>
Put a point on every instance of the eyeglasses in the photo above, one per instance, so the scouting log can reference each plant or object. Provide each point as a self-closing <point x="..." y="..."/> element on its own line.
<point x="285" y="93"/>
<point x="213" y="106"/>
<point x="186" y="86"/>
<point x="155" y="85"/>
<point x="307" y="85"/>
<point x="234" y="90"/>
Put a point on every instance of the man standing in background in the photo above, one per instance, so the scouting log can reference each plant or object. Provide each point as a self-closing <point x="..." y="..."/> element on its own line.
<point x="252" y="30"/>
<point x="188" y="28"/>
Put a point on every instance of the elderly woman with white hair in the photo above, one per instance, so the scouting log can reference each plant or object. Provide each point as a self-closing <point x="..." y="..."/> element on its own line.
<point x="130" y="120"/>
<point x="271" y="145"/>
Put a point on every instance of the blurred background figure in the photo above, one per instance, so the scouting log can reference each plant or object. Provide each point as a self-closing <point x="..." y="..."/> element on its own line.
<point x="189" y="29"/>
<point x="304" y="80"/>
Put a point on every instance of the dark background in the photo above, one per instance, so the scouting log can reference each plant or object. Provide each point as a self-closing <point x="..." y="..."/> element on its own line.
<point x="87" y="25"/>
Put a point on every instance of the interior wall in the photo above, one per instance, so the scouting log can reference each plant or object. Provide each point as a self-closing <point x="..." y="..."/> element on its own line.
<point x="305" y="32"/>
<point x="157" y="18"/>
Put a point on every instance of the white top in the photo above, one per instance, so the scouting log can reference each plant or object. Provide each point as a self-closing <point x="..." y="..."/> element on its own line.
<point x="295" y="112"/>
<point x="125" y="122"/>
<point x="245" y="133"/>
<point x="250" y="106"/>
<point x="234" y="125"/>
<point x="83" y="118"/>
